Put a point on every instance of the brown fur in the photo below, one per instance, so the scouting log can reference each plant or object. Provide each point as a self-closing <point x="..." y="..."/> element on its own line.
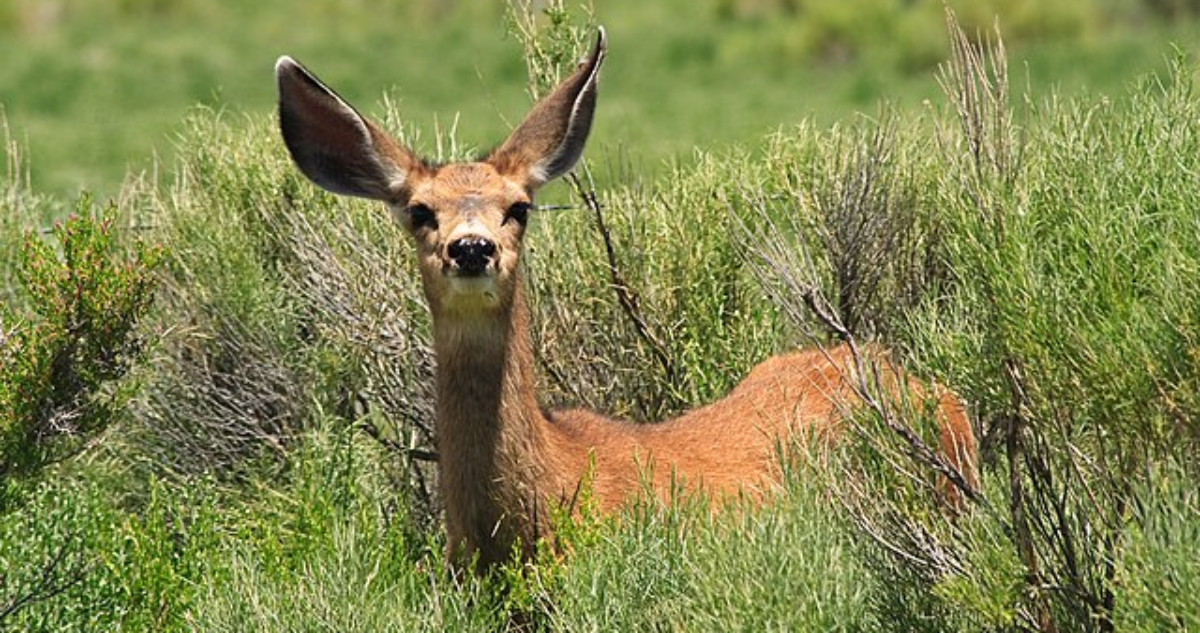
<point x="519" y="458"/>
<point x="503" y="460"/>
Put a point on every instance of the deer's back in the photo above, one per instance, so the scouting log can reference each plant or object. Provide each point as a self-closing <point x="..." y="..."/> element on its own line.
<point x="730" y="446"/>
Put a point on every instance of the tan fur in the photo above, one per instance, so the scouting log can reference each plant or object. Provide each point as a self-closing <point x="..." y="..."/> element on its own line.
<point x="503" y="461"/>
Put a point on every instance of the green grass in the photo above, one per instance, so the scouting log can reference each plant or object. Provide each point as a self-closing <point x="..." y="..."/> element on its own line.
<point x="1159" y="569"/>
<point x="95" y="90"/>
<point x="791" y="566"/>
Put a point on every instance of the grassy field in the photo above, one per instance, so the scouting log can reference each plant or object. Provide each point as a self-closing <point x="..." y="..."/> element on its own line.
<point x="208" y="377"/>
<point x="94" y="89"/>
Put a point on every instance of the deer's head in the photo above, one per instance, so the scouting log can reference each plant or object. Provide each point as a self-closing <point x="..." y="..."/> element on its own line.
<point x="466" y="219"/>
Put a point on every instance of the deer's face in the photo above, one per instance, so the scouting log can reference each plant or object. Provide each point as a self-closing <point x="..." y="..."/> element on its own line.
<point x="466" y="221"/>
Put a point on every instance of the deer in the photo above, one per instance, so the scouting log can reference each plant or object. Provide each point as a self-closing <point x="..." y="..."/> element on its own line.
<point x="503" y="459"/>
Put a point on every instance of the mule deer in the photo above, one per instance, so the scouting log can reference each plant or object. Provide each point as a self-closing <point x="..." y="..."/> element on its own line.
<point x="502" y="458"/>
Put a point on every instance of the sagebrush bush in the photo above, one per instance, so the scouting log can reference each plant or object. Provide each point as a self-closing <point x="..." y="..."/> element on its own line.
<point x="334" y="546"/>
<point x="1067" y="322"/>
<point x="227" y="389"/>
<point x="1053" y="286"/>
<point x="692" y="320"/>
<point x="790" y="566"/>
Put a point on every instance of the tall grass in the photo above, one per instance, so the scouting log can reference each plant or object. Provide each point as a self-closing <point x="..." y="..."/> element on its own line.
<point x="791" y="566"/>
<point x="1157" y="570"/>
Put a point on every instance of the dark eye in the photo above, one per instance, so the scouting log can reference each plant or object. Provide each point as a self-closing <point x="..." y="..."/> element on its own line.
<point x="519" y="211"/>
<point x="421" y="217"/>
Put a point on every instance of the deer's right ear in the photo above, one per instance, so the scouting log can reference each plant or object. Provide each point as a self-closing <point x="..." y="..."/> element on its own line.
<point x="334" y="145"/>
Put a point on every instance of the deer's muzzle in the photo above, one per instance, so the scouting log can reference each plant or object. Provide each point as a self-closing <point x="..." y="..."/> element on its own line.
<point x="471" y="256"/>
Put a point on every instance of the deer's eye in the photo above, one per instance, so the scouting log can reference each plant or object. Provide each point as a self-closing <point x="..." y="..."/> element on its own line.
<point x="519" y="212"/>
<point x="421" y="217"/>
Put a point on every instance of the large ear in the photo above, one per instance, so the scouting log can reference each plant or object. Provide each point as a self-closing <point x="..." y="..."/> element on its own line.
<point x="550" y="140"/>
<point x="334" y="145"/>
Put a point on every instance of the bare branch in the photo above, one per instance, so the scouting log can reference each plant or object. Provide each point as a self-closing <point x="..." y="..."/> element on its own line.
<point x="391" y="444"/>
<point x="626" y="296"/>
<point x="51" y="582"/>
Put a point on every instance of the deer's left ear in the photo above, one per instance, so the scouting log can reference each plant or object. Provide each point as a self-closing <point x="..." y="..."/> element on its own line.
<point x="550" y="140"/>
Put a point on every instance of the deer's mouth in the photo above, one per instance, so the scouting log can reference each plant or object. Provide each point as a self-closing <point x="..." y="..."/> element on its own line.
<point x="471" y="289"/>
<point x="481" y="272"/>
<point x="471" y="281"/>
<point x="457" y="272"/>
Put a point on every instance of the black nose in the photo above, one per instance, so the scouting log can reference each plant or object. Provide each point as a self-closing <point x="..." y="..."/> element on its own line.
<point x="471" y="255"/>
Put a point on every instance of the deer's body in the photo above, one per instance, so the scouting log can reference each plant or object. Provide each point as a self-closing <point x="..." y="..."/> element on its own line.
<point x="502" y="458"/>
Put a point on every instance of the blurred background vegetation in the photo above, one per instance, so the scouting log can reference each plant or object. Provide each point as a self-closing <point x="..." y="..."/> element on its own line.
<point x="96" y="88"/>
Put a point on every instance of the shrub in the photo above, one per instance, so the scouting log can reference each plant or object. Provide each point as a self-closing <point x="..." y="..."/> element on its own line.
<point x="282" y="306"/>
<point x="1068" y="322"/>
<point x="332" y="545"/>
<point x="60" y="367"/>
<point x="227" y="390"/>
<point x="47" y="550"/>
<point x="1055" y="290"/>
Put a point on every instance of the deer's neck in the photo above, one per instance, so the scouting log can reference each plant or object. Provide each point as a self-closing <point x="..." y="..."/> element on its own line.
<point x="494" y="461"/>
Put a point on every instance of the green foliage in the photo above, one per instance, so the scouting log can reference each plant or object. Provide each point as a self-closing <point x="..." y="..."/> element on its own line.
<point x="552" y="38"/>
<point x="77" y="559"/>
<point x="47" y="560"/>
<point x="1159" y="573"/>
<point x="789" y="566"/>
<point x="1069" y="320"/>
<point x="60" y="364"/>
<point x="331" y="548"/>
<point x="1042" y="262"/>
<point x="705" y="323"/>
<point x="1061" y="307"/>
